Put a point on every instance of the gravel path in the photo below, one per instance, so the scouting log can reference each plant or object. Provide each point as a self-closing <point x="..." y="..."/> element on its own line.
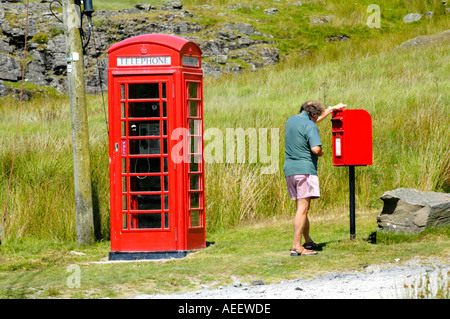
<point x="380" y="282"/>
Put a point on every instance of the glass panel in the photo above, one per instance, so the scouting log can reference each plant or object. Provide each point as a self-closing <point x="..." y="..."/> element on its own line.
<point x="194" y="127"/>
<point x="146" y="221"/>
<point x="193" y="110"/>
<point x="193" y="90"/>
<point x="143" y="91"/>
<point x="164" y="109"/>
<point x="166" y="165"/>
<point x="195" y="144"/>
<point x="165" y="128"/>
<point x="166" y="220"/>
<point x="122" y="91"/>
<point x="145" y="165"/>
<point x="194" y="166"/>
<point x="124" y="165"/>
<point x="125" y="221"/>
<point x="145" y="146"/>
<point x="195" y="218"/>
<point x="163" y="89"/>
<point x="165" y="146"/>
<point x="144" y="128"/>
<point x="124" y="129"/>
<point x="166" y="183"/>
<point x="124" y="184"/>
<point x="122" y="107"/>
<point x="147" y="202"/>
<point x="143" y="109"/>
<point x="124" y="202"/>
<point x="145" y="183"/>
<point x="166" y="202"/>
<point x="195" y="200"/>
<point x="194" y="182"/>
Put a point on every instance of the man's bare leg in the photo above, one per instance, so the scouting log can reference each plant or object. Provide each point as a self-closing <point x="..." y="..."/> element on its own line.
<point x="301" y="222"/>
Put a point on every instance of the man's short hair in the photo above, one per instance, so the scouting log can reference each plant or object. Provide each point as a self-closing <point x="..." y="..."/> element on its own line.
<point x="313" y="108"/>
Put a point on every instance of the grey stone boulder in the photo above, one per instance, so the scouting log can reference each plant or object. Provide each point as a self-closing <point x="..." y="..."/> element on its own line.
<point x="411" y="211"/>
<point x="412" y="17"/>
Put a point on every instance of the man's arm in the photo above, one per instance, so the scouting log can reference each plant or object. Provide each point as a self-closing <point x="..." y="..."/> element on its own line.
<point x="317" y="150"/>
<point x="328" y="111"/>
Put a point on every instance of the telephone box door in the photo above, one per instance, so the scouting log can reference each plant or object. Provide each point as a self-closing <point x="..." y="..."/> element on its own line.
<point x="142" y="198"/>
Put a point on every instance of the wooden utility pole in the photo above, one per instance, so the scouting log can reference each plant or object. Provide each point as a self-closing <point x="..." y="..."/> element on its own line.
<point x="80" y="131"/>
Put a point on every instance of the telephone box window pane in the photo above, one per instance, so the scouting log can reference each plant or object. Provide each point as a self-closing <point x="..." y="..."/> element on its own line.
<point x="143" y="91"/>
<point x="144" y="128"/>
<point x="195" y="218"/>
<point x="165" y="146"/>
<point x="166" y="183"/>
<point x="122" y="91"/>
<point x="124" y="129"/>
<point x="125" y="221"/>
<point x="145" y="146"/>
<point x="164" y="109"/>
<point x="194" y="182"/>
<point x="193" y="90"/>
<point x="148" y="221"/>
<point x="145" y="183"/>
<point x="194" y="127"/>
<point x="193" y="110"/>
<point x="195" y="200"/>
<point x="124" y="184"/>
<point x="166" y="220"/>
<point x="194" y="164"/>
<point x="147" y="202"/>
<point x="143" y="109"/>
<point x="166" y="202"/>
<point x="145" y="165"/>
<point x="165" y="128"/>
<point x="124" y="202"/>
<point x="122" y="107"/>
<point x="163" y="89"/>
<point x="124" y="165"/>
<point x="195" y="145"/>
<point x="166" y="165"/>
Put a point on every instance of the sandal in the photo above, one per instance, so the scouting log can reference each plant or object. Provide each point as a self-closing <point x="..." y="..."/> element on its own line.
<point x="311" y="246"/>
<point x="302" y="251"/>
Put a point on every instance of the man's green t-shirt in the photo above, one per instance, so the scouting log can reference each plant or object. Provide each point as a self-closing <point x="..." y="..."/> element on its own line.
<point x="301" y="134"/>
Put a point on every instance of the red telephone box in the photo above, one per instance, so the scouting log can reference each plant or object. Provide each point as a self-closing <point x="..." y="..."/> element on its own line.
<point x="352" y="146"/>
<point x="157" y="201"/>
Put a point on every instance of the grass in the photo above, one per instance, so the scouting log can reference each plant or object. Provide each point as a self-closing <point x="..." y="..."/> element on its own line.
<point x="33" y="268"/>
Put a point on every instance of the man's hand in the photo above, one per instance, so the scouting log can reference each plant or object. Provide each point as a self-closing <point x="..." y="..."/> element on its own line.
<point x="317" y="150"/>
<point x="337" y="106"/>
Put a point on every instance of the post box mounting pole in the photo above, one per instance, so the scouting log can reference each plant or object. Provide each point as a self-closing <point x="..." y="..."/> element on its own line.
<point x="352" y="200"/>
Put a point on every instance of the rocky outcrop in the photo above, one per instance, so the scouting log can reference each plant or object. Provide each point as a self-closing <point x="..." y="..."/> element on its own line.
<point x="411" y="211"/>
<point x="423" y="40"/>
<point x="230" y="47"/>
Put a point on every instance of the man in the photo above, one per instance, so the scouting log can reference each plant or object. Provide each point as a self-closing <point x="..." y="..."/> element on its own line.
<point x="303" y="148"/>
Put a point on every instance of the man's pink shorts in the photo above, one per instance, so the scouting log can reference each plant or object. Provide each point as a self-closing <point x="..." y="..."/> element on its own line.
<point x="303" y="186"/>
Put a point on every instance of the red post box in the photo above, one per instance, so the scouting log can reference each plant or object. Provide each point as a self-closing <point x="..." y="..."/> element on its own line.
<point x="352" y="146"/>
<point x="155" y="86"/>
<point x="352" y="137"/>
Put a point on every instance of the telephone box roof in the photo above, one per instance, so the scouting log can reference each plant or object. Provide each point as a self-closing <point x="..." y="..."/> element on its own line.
<point x="170" y="41"/>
